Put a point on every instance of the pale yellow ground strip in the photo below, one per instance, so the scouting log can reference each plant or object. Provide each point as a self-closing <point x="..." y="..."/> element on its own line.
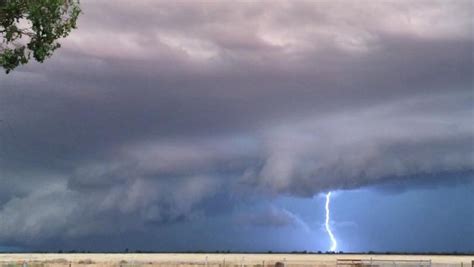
<point x="244" y="259"/>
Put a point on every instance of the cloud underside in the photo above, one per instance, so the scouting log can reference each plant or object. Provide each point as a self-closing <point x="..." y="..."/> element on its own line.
<point x="148" y="112"/>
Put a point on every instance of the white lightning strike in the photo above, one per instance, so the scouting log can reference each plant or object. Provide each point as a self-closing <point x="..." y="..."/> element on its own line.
<point x="328" y="228"/>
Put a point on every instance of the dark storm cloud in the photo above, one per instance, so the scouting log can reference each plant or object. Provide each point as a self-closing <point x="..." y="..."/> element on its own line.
<point x="150" y="110"/>
<point x="271" y="217"/>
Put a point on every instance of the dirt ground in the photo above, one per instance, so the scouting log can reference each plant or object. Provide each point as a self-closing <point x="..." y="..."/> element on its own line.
<point x="221" y="260"/>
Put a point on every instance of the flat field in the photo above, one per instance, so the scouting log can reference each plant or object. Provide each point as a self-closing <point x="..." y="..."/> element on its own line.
<point x="220" y="260"/>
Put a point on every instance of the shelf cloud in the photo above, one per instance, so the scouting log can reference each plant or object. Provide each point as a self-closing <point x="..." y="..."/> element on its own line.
<point x="149" y="110"/>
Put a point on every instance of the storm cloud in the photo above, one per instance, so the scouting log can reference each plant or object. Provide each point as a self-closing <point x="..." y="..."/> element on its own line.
<point x="151" y="111"/>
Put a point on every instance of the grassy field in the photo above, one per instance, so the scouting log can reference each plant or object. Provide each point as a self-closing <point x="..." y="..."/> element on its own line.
<point x="214" y="260"/>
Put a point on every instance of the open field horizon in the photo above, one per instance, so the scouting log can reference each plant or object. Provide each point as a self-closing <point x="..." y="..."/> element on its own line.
<point x="212" y="259"/>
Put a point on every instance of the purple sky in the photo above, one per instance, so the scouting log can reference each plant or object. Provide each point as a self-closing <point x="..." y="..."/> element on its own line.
<point x="158" y="115"/>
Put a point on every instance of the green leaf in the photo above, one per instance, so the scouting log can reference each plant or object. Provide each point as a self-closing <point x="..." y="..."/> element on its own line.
<point x="50" y="20"/>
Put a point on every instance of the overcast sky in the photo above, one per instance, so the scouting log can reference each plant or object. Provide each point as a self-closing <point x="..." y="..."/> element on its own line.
<point x="215" y="125"/>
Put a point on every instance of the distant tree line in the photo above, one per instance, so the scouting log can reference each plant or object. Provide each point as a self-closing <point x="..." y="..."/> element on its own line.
<point x="247" y="252"/>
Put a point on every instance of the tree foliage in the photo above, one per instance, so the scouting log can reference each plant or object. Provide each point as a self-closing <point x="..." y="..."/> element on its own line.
<point x="31" y="28"/>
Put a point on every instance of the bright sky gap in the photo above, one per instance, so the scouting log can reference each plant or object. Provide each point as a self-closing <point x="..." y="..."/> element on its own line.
<point x="327" y="224"/>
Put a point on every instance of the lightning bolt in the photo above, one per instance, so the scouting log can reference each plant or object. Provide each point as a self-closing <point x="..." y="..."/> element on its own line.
<point x="327" y="224"/>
